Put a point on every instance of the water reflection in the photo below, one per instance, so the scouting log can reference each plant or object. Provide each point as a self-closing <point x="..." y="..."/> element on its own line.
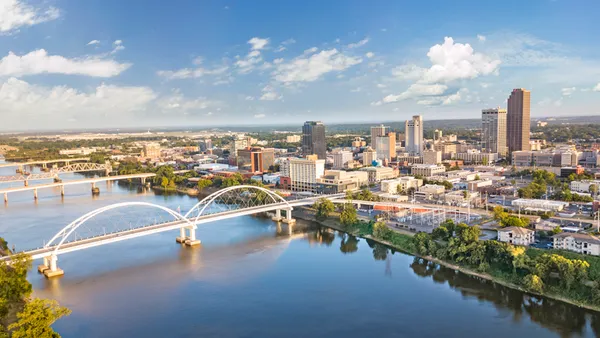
<point x="562" y="318"/>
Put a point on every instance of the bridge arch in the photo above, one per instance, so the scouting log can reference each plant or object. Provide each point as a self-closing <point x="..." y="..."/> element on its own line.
<point x="64" y="234"/>
<point x="212" y="198"/>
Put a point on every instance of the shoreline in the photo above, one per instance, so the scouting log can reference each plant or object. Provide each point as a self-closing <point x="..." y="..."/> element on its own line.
<point x="335" y="225"/>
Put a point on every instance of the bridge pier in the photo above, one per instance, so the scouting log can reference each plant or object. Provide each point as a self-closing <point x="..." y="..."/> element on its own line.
<point x="62" y="190"/>
<point x="35" y="194"/>
<point x="189" y="240"/>
<point x="26" y="183"/>
<point x="277" y="217"/>
<point x="49" y="268"/>
<point x="288" y="217"/>
<point x="5" y="197"/>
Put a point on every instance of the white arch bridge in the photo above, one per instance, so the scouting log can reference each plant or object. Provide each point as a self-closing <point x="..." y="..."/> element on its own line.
<point x="224" y="204"/>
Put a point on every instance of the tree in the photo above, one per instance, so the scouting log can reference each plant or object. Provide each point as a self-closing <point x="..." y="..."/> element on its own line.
<point x="14" y="286"/>
<point x="324" y="207"/>
<point x="514" y="221"/>
<point x="533" y="283"/>
<point x="441" y="233"/>
<point x="399" y="189"/>
<point x="348" y="215"/>
<point x="499" y="213"/>
<point x="164" y="182"/>
<point x="477" y="177"/>
<point x="36" y="319"/>
<point x="381" y="231"/>
<point x="204" y="183"/>
<point x="556" y="230"/>
<point x="593" y="189"/>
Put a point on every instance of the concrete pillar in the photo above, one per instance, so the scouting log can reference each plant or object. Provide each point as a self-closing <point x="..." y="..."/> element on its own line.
<point x="62" y="189"/>
<point x="5" y="197"/>
<point x="26" y="183"/>
<point x="44" y="165"/>
<point x="44" y="266"/>
<point x="93" y="185"/>
<point x="191" y="240"/>
<point x="143" y="180"/>
<point x="288" y="217"/>
<point x="53" y="269"/>
<point x="182" y="236"/>
<point x="277" y="217"/>
<point x="35" y="195"/>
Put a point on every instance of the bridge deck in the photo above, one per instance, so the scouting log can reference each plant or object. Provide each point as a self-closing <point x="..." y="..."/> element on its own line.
<point x="82" y="181"/>
<point x="18" y="164"/>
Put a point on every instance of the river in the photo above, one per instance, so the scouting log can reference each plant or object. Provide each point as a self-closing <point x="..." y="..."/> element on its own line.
<point x="249" y="278"/>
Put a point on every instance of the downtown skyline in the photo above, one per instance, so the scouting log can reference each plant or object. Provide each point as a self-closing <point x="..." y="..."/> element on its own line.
<point x="70" y="65"/>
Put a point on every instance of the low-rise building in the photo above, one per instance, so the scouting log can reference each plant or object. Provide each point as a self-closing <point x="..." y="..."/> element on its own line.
<point x="400" y="184"/>
<point x="427" y="170"/>
<point x="516" y="235"/>
<point x="336" y="181"/>
<point x="538" y="205"/>
<point x="476" y="185"/>
<point x="368" y="156"/>
<point x="577" y="242"/>
<point x="430" y="191"/>
<point x="584" y="186"/>
<point x="432" y="157"/>
<point x="460" y="196"/>
<point x="377" y="174"/>
<point x="477" y="157"/>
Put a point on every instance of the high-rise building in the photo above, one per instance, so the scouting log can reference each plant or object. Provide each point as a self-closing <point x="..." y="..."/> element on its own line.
<point x="493" y="131"/>
<point x="205" y="145"/>
<point x="313" y="139"/>
<point x="432" y="157"/>
<point x="518" y="120"/>
<point x="369" y="155"/>
<point x="437" y="135"/>
<point x="378" y="131"/>
<point x="255" y="159"/>
<point x="304" y="172"/>
<point x="385" y="146"/>
<point x="414" y="135"/>
<point x="341" y="158"/>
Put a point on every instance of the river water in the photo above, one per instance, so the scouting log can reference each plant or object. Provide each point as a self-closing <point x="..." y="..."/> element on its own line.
<point x="250" y="278"/>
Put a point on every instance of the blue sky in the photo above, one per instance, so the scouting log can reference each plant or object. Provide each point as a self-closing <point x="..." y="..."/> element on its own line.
<point x="72" y="64"/>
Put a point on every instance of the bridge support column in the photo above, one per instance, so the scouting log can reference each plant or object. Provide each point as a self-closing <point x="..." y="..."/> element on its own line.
<point x="277" y="217"/>
<point x="53" y="270"/>
<point x="288" y="217"/>
<point x="62" y="190"/>
<point x="182" y="236"/>
<point x="44" y="266"/>
<point x="5" y="197"/>
<point x="35" y="195"/>
<point x="26" y="183"/>
<point x="95" y="189"/>
<point x="191" y="240"/>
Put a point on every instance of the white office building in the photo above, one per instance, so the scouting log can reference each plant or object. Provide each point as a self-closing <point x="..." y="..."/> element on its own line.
<point x="414" y="135"/>
<point x="341" y="158"/>
<point x="493" y="131"/>
<point x="304" y="172"/>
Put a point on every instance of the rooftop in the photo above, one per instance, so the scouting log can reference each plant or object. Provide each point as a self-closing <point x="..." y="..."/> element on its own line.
<point x="516" y="230"/>
<point x="581" y="237"/>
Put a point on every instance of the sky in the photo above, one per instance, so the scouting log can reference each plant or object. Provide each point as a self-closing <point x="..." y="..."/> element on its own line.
<point x="70" y="64"/>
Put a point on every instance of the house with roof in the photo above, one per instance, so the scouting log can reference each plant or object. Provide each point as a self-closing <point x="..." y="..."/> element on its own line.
<point x="577" y="242"/>
<point x="516" y="235"/>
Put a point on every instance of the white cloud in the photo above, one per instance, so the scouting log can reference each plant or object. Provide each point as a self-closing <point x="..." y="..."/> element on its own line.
<point x="370" y="54"/>
<point x="311" y="50"/>
<point x="39" y="62"/>
<point x="481" y="38"/>
<point x="280" y="49"/>
<point x="308" y="69"/>
<point x="16" y="13"/>
<point x="189" y="73"/>
<point x="381" y="85"/>
<point x="249" y="98"/>
<point x="568" y="91"/>
<point x="269" y="94"/>
<point x="259" y="116"/>
<point x="454" y="61"/>
<point x="176" y="102"/>
<point x="209" y="113"/>
<point x="118" y="42"/>
<point x="118" y="45"/>
<point x="597" y="87"/>
<point x="359" y="43"/>
<point x="258" y="43"/>
<point x="408" y="72"/>
<point x="444" y="100"/>
<point x="416" y="90"/>
<point x="20" y="101"/>
<point x="484" y="85"/>
<point x="288" y="42"/>
<point x="93" y="42"/>
<point x="355" y="90"/>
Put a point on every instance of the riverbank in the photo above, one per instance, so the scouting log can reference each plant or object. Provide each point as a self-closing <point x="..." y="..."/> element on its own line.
<point x="406" y="238"/>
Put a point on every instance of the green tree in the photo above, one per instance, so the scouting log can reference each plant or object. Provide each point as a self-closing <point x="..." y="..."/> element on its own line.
<point x="593" y="189"/>
<point x="556" y="230"/>
<point x="499" y="213"/>
<point x="382" y="231"/>
<point x="348" y="215"/>
<point x="514" y="221"/>
<point x="204" y="183"/>
<point x="36" y="319"/>
<point x="14" y="286"/>
<point x="164" y="182"/>
<point x="324" y="207"/>
<point x="533" y="283"/>
<point x="441" y="233"/>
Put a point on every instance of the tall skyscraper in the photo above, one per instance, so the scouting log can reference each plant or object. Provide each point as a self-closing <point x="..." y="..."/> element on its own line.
<point x="313" y="139"/>
<point x="414" y="135"/>
<point x="493" y="131"/>
<point x="378" y="131"/>
<point x="385" y="146"/>
<point x="518" y="121"/>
